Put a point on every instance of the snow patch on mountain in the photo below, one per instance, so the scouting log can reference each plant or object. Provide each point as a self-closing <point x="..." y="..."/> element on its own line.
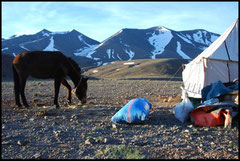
<point x="119" y="57"/>
<point x="185" y="39"/>
<point x="59" y="32"/>
<point x="159" y="41"/>
<point x="189" y="37"/>
<point x="99" y="63"/>
<point x="29" y="42"/>
<point x="128" y="63"/>
<point x="23" y="47"/>
<point x="201" y="37"/>
<point x="197" y="37"/>
<point x="86" y="51"/>
<point x="82" y="40"/>
<point x="50" y="47"/>
<point x="45" y="33"/>
<point x="130" y="54"/>
<point x="180" y="52"/>
<point x="110" y="53"/>
<point x="6" y="48"/>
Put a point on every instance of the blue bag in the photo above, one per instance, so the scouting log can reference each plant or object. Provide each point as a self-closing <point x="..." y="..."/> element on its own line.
<point x="216" y="89"/>
<point x="135" y="111"/>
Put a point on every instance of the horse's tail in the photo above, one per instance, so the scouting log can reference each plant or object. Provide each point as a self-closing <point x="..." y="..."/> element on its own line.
<point x="16" y="79"/>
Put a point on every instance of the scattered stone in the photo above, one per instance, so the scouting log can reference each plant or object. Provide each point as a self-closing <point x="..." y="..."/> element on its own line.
<point x="206" y="129"/>
<point x="22" y="142"/>
<point x="57" y="132"/>
<point x="37" y="156"/>
<point x="5" y="142"/>
<point x="55" y="123"/>
<point x="230" y="149"/>
<point x="32" y="119"/>
<point x="89" y="141"/>
<point x="105" y="140"/>
<point x="114" y="126"/>
<point x="124" y="141"/>
<point x="76" y="116"/>
<point x="187" y="131"/>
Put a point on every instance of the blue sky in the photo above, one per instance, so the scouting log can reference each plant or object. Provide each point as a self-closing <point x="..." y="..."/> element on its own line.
<point x="100" y="20"/>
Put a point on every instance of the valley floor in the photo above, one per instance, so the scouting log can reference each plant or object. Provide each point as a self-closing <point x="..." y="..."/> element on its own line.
<point x="86" y="132"/>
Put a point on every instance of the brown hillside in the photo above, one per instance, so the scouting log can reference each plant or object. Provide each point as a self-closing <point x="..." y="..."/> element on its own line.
<point x="142" y="68"/>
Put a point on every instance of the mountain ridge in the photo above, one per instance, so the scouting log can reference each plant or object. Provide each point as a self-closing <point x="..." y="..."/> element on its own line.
<point x="126" y="44"/>
<point x="155" y="42"/>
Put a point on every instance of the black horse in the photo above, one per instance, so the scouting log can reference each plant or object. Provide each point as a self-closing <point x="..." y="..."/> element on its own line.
<point x="48" y="64"/>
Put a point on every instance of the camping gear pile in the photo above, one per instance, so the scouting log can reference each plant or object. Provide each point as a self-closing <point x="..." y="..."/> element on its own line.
<point x="215" y="109"/>
<point x="211" y="77"/>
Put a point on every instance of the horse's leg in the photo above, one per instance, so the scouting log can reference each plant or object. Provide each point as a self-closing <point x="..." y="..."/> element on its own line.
<point x="16" y="87"/>
<point x="69" y="96"/>
<point x="23" y="80"/>
<point x="57" y="83"/>
<point x="17" y="95"/>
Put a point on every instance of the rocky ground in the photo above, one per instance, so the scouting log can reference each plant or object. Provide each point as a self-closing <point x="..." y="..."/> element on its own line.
<point x="86" y="132"/>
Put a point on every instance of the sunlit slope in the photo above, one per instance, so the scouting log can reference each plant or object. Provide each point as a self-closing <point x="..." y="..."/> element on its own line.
<point x="142" y="68"/>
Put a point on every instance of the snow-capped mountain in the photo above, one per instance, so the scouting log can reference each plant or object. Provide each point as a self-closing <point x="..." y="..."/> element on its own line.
<point x="126" y="44"/>
<point x="152" y="43"/>
<point x="68" y="42"/>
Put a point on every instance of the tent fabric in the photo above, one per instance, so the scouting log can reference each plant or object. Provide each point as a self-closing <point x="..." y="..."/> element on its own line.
<point x="218" y="62"/>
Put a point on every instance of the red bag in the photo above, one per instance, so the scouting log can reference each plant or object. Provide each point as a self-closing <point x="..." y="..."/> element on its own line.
<point x="211" y="116"/>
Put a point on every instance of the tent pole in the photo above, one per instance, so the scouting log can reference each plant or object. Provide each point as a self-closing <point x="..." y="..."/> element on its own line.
<point x="229" y="79"/>
<point x="204" y="71"/>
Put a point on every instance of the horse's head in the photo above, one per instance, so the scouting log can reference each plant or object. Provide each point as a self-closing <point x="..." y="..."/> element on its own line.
<point x="81" y="90"/>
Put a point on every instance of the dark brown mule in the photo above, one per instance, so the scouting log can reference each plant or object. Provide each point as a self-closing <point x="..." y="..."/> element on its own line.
<point x="47" y="64"/>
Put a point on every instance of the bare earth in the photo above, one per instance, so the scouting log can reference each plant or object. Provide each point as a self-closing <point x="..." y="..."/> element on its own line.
<point x="86" y="132"/>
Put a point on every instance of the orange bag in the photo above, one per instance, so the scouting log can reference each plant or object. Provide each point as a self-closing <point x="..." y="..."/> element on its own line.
<point x="211" y="116"/>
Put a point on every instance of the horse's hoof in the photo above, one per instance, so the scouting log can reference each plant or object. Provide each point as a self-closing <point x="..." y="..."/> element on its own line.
<point x="57" y="107"/>
<point x="18" y="105"/>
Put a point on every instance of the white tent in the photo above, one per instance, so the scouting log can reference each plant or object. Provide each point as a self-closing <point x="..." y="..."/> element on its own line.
<point x="218" y="62"/>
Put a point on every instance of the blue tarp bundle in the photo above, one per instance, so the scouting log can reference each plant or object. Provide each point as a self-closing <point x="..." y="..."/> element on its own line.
<point x="135" y="111"/>
<point x="216" y="89"/>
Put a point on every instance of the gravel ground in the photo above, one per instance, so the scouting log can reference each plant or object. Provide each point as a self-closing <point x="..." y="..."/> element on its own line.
<point x="86" y="132"/>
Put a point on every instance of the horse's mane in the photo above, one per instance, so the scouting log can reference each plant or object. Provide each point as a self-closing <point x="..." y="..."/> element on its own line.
<point x="74" y="64"/>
